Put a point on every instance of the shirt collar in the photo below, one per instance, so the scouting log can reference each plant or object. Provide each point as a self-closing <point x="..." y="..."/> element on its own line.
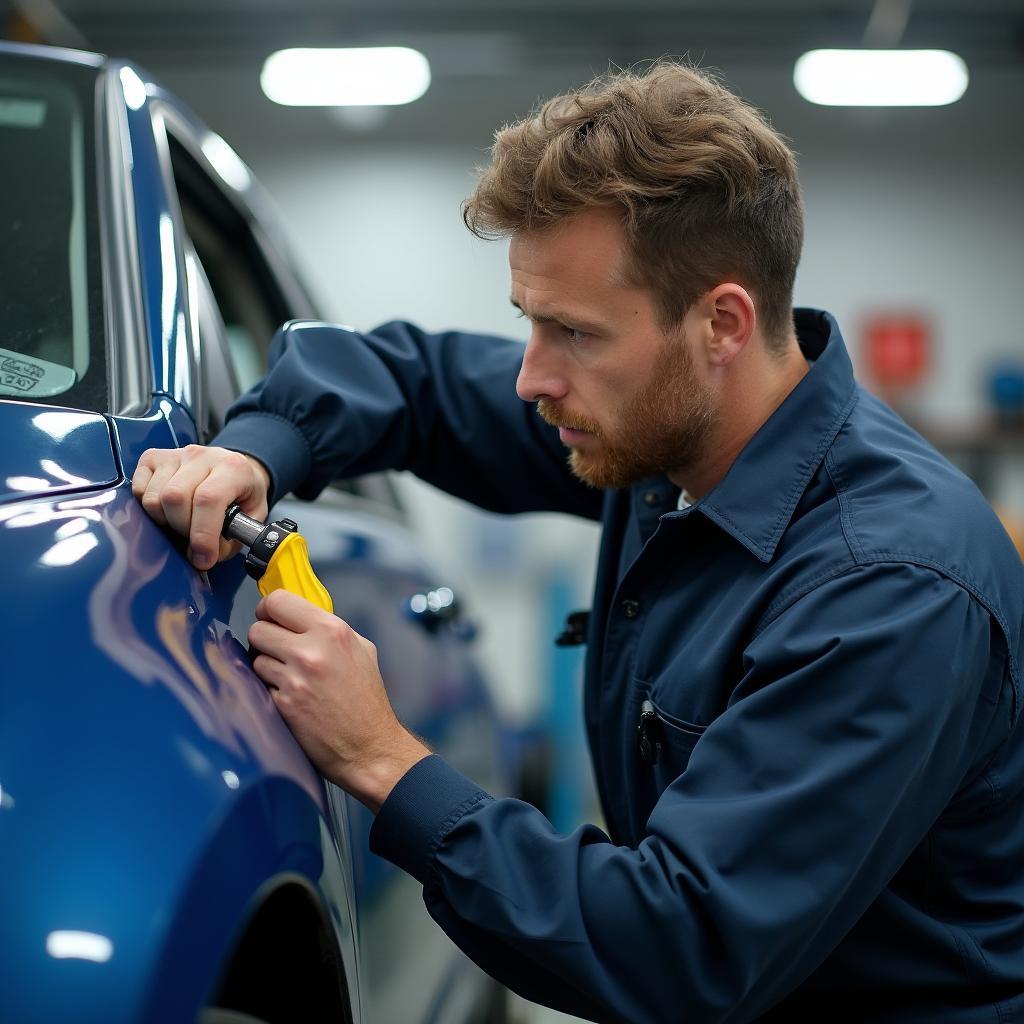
<point x="755" y="500"/>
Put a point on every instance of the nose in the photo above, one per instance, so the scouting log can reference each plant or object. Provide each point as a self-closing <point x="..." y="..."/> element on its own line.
<point x="539" y="376"/>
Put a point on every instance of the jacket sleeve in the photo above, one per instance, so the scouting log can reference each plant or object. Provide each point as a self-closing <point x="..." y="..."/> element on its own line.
<point x="336" y="403"/>
<point x="849" y="731"/>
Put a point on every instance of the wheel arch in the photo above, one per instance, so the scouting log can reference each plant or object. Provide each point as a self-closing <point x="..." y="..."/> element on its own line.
<point x="286" y="937"/>
<point x="265" y="890"/>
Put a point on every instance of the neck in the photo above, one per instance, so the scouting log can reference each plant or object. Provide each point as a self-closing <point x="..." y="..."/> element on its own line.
<point x="746" y="401"/>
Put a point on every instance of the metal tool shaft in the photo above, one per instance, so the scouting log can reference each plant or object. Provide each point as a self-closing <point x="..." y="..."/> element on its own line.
<point x="239" y="526"/>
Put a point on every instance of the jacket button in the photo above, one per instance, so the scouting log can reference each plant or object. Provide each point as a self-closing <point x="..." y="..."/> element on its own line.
<point x="630" y="608"/>
<point x="651" y="498"/>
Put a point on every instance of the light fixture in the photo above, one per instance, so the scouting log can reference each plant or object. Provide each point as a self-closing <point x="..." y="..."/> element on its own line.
<point x="880" y="78"/>
<point x="366" y="77"/>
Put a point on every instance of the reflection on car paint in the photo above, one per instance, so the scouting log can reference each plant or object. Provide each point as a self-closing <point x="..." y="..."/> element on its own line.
<point x="203" y="667"/>
<point x="68" y="945"/>
<point x="69" y="550"/>
<point x="53" y="452"/>
<point x="151" y="793"/>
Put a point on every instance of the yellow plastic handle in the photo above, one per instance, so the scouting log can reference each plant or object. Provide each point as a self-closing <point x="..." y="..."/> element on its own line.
<point x="289" y="569"/>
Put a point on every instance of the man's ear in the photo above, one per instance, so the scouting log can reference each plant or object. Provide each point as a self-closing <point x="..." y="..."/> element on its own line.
<point x="730" y="311"/>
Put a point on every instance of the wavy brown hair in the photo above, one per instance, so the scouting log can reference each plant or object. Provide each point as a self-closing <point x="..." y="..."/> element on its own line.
<point x="708" y="189"/>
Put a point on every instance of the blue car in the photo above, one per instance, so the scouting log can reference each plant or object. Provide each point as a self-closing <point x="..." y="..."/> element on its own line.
<point x="167" y="852"/>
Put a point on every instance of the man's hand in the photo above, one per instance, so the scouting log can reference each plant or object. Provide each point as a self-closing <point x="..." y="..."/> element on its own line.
<point x="324" y="679"/>
<point x="189" y="489"/>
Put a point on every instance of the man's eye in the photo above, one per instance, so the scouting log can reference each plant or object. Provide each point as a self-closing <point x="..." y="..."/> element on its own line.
<point x="575" y="336"/>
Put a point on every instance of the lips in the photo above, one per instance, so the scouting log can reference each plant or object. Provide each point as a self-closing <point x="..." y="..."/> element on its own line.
<point x="568" y="434"/>
<point x="571" y="437"/>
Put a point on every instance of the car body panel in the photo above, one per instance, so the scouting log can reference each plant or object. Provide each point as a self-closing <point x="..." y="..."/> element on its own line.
<point x="156" y="231"/>
<point x="150" y="794"/>
<point x="50" y="451"/>
<point x="159" y="716"/>
<point x="62" y="54"/>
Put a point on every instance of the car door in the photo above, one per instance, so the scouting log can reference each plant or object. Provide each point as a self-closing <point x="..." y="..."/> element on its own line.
<point x="239" y="292"/>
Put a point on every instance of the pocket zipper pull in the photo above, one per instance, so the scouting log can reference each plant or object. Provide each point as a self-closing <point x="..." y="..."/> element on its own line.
<point x="650" y="735"/>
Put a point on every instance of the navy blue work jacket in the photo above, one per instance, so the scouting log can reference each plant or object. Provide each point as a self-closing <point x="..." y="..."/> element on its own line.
<point x="829" y="821"/>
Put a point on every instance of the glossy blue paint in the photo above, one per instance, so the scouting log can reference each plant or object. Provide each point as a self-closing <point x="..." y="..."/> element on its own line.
<point x="150" y="793"/>
<point x="160" y="716"/>
<point x="134" y="434"/>
<point x="49" y="451"/>
<point x="159" y="240"/>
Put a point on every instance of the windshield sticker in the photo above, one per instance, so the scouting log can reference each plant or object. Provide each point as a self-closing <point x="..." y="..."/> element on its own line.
<point x="17" y="113"/>
<point x="26" y="377"/>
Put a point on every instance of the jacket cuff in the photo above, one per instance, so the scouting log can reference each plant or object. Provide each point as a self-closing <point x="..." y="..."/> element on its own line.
<point x="276" y="442"/>
<point x="420" y="811"/>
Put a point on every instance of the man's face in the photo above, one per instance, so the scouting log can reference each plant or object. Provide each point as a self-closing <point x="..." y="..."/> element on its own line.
<point x="625" y="394"/>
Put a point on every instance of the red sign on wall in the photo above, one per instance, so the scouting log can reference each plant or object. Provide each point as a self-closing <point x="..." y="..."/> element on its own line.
<point x="897" y="349"/>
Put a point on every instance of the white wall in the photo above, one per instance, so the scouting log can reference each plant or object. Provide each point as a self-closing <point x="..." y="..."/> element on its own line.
<point x="893" y="233"/>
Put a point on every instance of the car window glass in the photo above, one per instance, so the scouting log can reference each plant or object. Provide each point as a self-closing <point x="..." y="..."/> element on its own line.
<point x="250" y="305"/>
<point x="220" y="386"/>
<point x="51" y="319"/>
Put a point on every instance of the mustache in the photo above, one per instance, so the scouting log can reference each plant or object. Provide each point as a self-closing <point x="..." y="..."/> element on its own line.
<point x="555" y="417"/>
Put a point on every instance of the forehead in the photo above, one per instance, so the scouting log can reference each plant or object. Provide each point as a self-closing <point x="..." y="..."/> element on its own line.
<point x="585" y="253"/>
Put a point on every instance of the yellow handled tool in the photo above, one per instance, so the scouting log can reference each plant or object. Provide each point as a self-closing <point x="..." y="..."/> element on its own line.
<point x="278" y="558"/>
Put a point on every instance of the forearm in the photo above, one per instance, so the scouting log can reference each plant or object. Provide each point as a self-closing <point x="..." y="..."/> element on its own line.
<point x="340" y="404"/>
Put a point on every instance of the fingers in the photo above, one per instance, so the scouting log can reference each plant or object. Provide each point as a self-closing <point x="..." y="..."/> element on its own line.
<point x="177" y="497"/>
<point x="273" y="640"/>
<point x="143" y="473"/>
<point x="224" y="485"/>
<point x="228" y="549"/>
<point x="189" y="489"/>
<point x="270" y="670"/>
<point x="291" y="611"/>
<point x="155" y="469"/>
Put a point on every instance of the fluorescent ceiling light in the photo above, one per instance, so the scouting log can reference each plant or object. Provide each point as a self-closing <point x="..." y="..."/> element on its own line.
<point x="880" y="78"/>
<point x="381" y="76"/>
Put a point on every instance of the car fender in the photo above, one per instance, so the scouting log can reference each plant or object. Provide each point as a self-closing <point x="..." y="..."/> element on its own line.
<point x="145" y="773"/>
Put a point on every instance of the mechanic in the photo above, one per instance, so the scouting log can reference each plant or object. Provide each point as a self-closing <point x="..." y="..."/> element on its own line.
<point x="804" y="654"/>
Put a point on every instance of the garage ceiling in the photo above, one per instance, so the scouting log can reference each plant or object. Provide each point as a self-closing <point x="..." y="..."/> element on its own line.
<point x="533" y="32"/>
<point x="492" y="59"/>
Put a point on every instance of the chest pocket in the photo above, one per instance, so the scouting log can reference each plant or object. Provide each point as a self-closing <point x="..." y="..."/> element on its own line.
<point x="664" y="743"/>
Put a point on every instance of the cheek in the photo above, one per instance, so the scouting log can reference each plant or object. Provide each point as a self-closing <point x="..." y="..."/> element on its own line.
<point x="625" y="389"/>
<point x="610" y="376"/>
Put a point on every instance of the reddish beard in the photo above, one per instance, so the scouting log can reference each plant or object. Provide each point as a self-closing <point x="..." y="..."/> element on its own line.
<point x="664" y="427"/>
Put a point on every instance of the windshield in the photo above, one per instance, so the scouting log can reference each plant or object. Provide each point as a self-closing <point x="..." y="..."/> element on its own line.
<point x="51" y="307"/>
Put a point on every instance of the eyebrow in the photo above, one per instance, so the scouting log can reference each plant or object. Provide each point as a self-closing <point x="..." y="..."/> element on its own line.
<point x="558" y="317"/>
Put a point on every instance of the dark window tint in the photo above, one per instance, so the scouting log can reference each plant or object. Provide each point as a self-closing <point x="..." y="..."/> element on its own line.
<point x="247" y="294"/>
<point x="52" y="346"/>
